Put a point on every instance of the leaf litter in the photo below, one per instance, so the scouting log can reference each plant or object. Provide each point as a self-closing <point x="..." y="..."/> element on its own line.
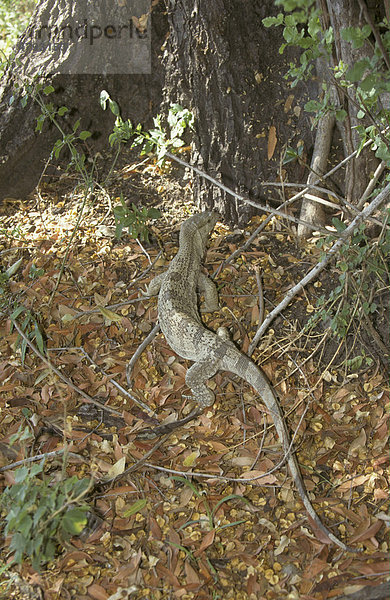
<point x="156" y="533"/>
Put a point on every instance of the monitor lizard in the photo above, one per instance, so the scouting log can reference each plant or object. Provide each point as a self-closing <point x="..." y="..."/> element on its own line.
<point x="184" y="331"/>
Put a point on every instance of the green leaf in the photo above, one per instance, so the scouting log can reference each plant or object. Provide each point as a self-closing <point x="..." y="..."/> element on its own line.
<point x="368" y="82"/>
<point x="13" y="268"/>
<point x="81" y="486"/>
<point x="25" y="525"/>
<point x="356" y="35"/>
<point x="40" y="122"/>
<point x="270" y="21"/>
<point x="39" y="338"/>
<point x="188" y="484"/>
<point x="289" y="155"/>
<point x="109" y="315"/>
<point x="21" y="474"/>
<point x="74" y="520"/>
<point x="135" y="508"/>
<point x="83" y="135"/>
<point x="49" y="89"/>
<point x="338" y="225"/>
<point x="312" y="106"/>
<point x="230" y="497"/>
<point x="355" y="363"/>
<point x="154" y="213"/>
<point x="340" y="114"/>
<point x="356" y="72"/>
<point x="18" y="311"/>
<point x="114" y="107"/>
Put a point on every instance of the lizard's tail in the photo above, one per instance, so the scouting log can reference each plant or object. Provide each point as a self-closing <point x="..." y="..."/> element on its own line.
<point x="246" y="369"/>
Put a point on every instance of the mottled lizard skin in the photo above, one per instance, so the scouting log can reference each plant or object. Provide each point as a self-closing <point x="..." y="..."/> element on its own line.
<point x="184" y="331"/>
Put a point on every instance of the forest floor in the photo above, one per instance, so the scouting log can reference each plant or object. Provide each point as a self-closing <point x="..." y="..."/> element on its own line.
<point x="181" y="524"/>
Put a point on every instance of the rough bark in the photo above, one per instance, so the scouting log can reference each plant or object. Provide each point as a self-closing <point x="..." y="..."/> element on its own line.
<point x="223" y="64"/>
<point x="23" y="151"/>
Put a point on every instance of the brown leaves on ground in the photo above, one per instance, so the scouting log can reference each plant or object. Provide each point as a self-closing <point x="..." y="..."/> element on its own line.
<point x="151" y="534"/>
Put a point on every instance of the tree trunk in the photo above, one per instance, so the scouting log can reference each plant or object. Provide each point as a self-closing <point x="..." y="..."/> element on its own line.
<point x="343" y="14"/>
<point x="222" y="63"/>
<point x="80" y="74"/>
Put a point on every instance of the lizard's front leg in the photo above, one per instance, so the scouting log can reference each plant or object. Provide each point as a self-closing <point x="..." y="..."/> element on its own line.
<point x="154" y="286"/>
<point x="196" y="376"/>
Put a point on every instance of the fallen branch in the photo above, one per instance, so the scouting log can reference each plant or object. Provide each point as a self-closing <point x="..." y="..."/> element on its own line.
<point x="267" y="209"/>
<point x="344" y="236"/>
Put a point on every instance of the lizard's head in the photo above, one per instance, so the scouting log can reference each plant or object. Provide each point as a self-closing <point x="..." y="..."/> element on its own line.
<point x="197" y="229"/>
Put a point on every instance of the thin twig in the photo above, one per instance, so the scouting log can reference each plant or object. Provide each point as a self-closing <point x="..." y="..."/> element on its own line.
<point x="146" y="271"/>
<point x="126" y="302"/>
<point x="343" y="202"/>
<point x="62" y="376"/>
<point x="152" y="432"/>
<point x="261" y="295"/>
<point x="144" y="251"/>
<point x="371" y="184"/>
<point x="287" y="202"/>
<point x="32" y="459"/>
<point x="138" y="352"/>
<point x="236" y="479"/>
<point x="94" y="311"/>
<point x="87" y="194"/>
<point x="375" y="32"/>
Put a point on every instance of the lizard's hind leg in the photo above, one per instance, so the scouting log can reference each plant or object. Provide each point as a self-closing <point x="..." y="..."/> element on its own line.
<point x="195" y="379"/>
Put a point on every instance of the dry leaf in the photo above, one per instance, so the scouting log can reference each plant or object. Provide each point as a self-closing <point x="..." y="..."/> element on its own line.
<point x="261" y="477"/>
<point x="272" y="140"/>
<point x="189" y="460"/>
<point x="207" y="540"/>
<point x="109" y="315"/>
<point x="116" y="469"/>
<point x="358" y="443"/>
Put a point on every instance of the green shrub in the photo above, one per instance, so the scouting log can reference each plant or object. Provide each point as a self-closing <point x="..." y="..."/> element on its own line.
<point x="41" y="513"/>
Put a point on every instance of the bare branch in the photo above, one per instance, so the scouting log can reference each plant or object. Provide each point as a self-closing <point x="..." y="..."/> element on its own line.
<point x="345" y="235"/>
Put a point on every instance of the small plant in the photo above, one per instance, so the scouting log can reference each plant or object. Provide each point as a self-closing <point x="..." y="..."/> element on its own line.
<point x="134" y="219"/>
<point x="68" y="140"/>
<point x="365" y="81"/>
<point x="155" y="140"/>
<point x="41" y="513"/>
<point x="363" y="271"/>
<point x="30" y="328"/>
